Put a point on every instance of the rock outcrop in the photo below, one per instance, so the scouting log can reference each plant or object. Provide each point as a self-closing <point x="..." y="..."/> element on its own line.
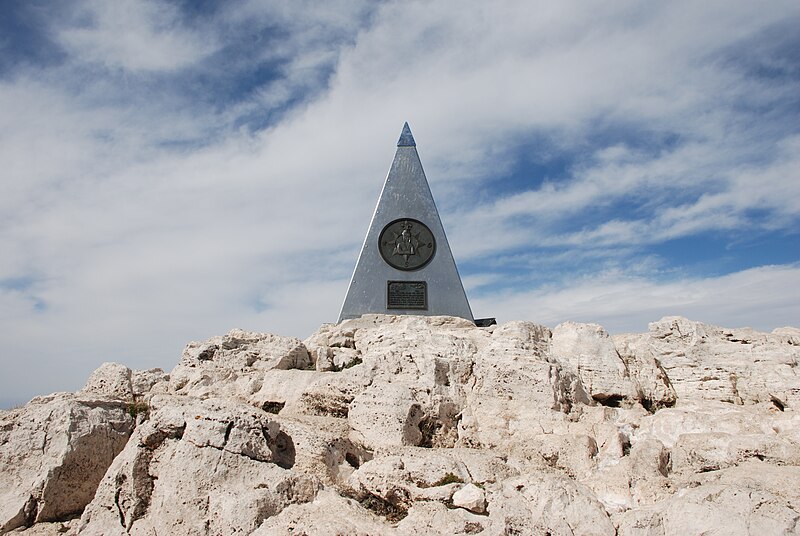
<point x="54" y="453"/>
<point x="422" y="425"/>
<point x="731" y="365"/>
<point x="198" y="466"/>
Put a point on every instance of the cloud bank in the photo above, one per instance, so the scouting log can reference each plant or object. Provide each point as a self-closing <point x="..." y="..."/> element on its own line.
<point x="173" y="170"/>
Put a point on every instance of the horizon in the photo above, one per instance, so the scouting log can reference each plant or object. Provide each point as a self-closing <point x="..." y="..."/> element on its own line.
<point x="173" y="170"/>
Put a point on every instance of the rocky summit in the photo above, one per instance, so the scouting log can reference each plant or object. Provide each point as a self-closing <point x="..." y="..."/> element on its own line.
<point x="404" y="425"/>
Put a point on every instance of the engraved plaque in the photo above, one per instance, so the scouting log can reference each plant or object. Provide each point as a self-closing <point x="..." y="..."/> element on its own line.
<point x="407" y="244"/>
<point x="407" y="295"/>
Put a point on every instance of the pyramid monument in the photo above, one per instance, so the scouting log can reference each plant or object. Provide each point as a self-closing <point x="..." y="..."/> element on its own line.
<point x="405" y="265"/>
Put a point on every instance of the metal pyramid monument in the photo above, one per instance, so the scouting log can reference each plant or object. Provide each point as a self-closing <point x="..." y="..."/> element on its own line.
<point x="405" y="265"/>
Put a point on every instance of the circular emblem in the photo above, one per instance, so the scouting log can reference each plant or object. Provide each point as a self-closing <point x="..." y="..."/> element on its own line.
<point x="407" y="244"/>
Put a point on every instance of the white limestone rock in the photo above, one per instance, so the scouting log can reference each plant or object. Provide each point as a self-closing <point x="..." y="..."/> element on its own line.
<point x="329" y="514"/>
<point x="386" y="415"/>
<point x="409" y="384"/>
<point x="280" y="388"/>
<point x="332" y="348"/>
<point x="752" y="498"/>
<point x="702" y="452"/>
<point x="55" y="528"/>
<point x="111" y="380"/>
<point x="409" y="475"/>
<point x="516" y="393"/>
<point x="234" y="364"/>
<point x="53" y="453"/>
<point x="143" y="381"/>
<point x="709" y="417"/>
<point x="788" y="334"/>
<point x="408" y="484"/>
<point x="545" y="502"/>
<point x="401" y="480"/>
<point x="436" y="519"/>
<point x="323" y="449"/>
<point x="471" y="498"/>
<point x="574" y="454"/>
<point x="731" y="365"/>
<point x="329" y="394"/>
<point x="640" y="478"/>
<point x="653" y="386"/>
<point x="590" y="353"/>
<point x="209" y="466"/>
<point x="400" y="424"/>
<point x="241" y="350"/>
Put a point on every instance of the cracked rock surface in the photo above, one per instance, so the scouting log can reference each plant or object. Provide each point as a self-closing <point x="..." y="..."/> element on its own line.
<point x="422" y="425"/>
<point x="53" y="454"/>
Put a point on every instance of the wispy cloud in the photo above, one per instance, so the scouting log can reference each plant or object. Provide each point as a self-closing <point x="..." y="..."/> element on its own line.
<point x="762" y="298"/>
<point x="133" y="36"/>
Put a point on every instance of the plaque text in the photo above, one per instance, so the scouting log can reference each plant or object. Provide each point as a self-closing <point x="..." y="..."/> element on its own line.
<point x="407" y="295"/>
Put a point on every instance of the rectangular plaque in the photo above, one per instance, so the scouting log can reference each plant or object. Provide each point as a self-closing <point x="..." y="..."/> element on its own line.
<point x="407" y="295"/>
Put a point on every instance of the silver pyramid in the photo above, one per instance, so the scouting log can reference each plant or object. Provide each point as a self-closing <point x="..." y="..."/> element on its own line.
<point x="405" y="265"/>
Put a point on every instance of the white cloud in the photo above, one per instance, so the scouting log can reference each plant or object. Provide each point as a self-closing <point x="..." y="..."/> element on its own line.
<point x="722" y="193"/>
<point x="762" y="298"/>
<point x="133" y="35"/>
<point x="134" y="245"/>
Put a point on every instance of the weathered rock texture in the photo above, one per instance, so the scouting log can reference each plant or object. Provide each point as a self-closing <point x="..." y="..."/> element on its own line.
<point x="53" y="454"/>
<point x="423" y="425"/>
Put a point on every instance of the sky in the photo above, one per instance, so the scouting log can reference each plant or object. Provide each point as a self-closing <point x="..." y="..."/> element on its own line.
<point x="170" y="170"/>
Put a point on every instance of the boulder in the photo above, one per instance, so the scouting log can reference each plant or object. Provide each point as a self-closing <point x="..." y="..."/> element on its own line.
<point x="418" y="474"/>
<point x="386" y="415"/>
<point x="517" y="392"/>
<point x="653" y="386"/>
<point x="53" y="453"/>
<point x="710" y="417"/>
<point x="546" y="502"/>
<point x="234" y="364"/>
<point x="329" y="514"/>
<point x="739" y="366"/>
<point x="111" y="380"/>
<point x="589" y="352"/>
<point x="143" y="381"/>
<point x="435" y="518"/>
<point x="198" y="466"/>
<point x="470" y="497"/>
<point x="752" y="498"/>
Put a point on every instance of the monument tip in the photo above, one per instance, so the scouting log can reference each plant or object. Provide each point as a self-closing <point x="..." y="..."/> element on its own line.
<point x="406" y="139"/>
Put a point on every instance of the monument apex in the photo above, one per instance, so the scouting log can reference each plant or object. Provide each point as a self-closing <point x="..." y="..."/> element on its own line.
<point x="405" y="265"/>
<point x="406" y="138"/>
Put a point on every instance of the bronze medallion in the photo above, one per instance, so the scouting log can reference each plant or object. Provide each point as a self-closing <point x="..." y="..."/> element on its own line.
<point x="407" y="244"/>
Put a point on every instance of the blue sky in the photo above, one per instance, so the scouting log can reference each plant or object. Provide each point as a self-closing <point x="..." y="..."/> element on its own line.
<point x="171" y="170"/>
